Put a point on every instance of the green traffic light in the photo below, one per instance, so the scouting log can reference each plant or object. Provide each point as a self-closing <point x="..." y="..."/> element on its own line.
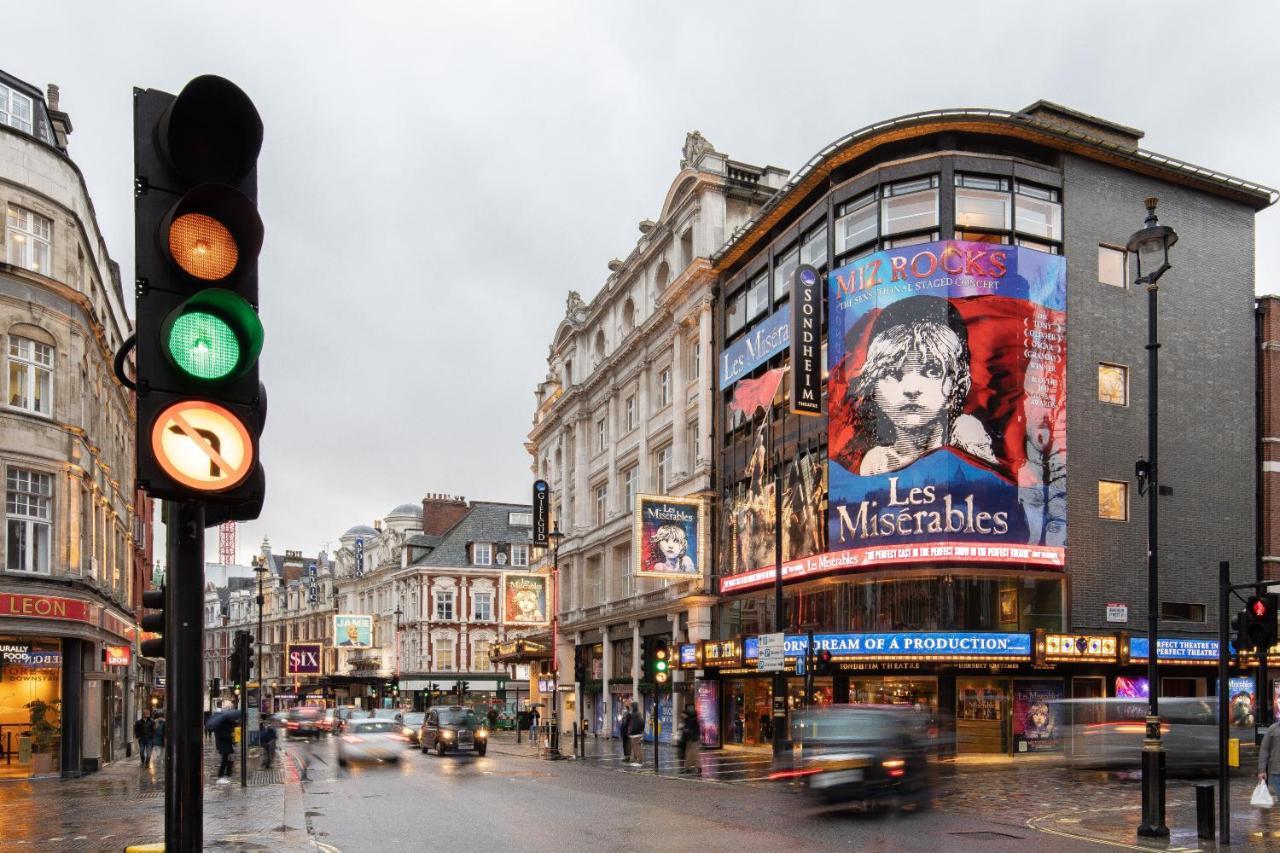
<point x="213" y="336"/>
<point x="661" y="666"/>
<point x="204" y="346"/>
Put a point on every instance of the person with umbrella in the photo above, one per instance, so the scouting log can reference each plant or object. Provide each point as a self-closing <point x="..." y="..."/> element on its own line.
<point x="223" y="725"/>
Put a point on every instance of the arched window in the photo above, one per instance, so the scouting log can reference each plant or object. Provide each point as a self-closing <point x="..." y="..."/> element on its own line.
<point x="628" y="317"/>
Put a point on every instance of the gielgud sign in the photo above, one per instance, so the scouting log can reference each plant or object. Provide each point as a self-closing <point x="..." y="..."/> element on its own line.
<point x="947" y="399"/>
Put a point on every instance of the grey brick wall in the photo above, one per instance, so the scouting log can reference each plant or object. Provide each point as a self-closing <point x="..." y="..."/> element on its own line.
<point x="1206" y="391"/>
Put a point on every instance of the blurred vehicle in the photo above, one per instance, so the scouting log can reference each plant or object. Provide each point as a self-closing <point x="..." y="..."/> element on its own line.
<point x="1109" y="732"/>
<point x="411" y="725"/>
<point x="302" y="722"/>
<point x="453" y="727"/>
<point x="867" y="753"/>
<point x="370" y="740"/>
<point x="342" y="715"/>
<point x="329" y="721"/>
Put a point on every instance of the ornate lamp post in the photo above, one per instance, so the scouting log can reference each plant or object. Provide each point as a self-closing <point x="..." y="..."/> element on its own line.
<point x="1150" y="246"/>
<point x="555" y="536"/>
<point x="260" y="569"/>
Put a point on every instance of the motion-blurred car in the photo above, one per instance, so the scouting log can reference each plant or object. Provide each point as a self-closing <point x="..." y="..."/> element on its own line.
<point x="453" y="728"/>
<point x="412" y="725"/>
<point x="867" y="753"/>
<point x="330" y="722"/>
<point x="1109" y="732"/>
<point x="370" y="740"/>
<point x="302" y="722"/>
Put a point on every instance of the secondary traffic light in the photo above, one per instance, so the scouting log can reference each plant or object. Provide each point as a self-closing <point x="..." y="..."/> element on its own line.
<point x="660" y="661"/>
<point x="1255" y="626"/>
<point x="242" y="654"/>
<point x="823" y="663"/>
<point x="580" y="670"/>
<point x="153" y="599"/>
<point x="201" y="407"/>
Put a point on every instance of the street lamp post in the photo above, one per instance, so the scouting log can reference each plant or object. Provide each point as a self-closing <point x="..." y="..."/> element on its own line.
<point x="1150" y="246"/>
<point x="398" y="613"/>
<point x="260" y="569"/>
<point x="555" y="536"/>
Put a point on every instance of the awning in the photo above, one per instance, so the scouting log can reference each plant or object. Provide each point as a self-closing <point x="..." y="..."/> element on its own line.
<point x="475" y="682"/>
<point x="520" y="651"/>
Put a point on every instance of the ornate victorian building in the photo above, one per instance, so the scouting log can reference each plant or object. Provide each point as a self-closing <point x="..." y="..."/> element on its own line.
<point x="626" y="410"/>
<point x="71" y="574"/>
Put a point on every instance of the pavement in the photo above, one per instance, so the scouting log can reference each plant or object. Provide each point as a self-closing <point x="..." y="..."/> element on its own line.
<point x="123" y="804"/>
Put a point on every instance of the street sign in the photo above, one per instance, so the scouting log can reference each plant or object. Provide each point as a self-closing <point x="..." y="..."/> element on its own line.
<point x="1117" y="612"/>
<point x="202" y="446"/>
<point x="772" y="653"/>
<point x="800" y="667"/>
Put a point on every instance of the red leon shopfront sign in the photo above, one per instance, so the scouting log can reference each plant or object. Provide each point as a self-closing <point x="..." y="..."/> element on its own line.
<point x="46" y="607"/>
<point x="117" y="655"/>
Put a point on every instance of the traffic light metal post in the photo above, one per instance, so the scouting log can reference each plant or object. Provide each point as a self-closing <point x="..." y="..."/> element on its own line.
<point x="184" y="665"/>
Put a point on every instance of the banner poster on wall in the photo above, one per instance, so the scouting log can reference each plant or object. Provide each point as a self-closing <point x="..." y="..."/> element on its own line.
<point x="707" y="702"/>
<point x="947" y="406"/>
<point x="353" y="631"/>
<point x="804" y="506"/>
<point x="669" y="537"/>
<point x="1036" y="709"/>
<point x="1243" y="699"/>
<point x="524" y="599"/>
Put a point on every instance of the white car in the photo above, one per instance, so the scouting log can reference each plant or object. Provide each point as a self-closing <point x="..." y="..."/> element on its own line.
<point x="370" y="740"/>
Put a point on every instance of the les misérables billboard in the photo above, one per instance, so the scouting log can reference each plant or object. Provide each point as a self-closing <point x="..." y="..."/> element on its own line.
<point x="947" y="397"/>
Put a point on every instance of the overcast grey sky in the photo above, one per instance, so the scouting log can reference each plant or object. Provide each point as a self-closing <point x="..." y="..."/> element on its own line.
<point x="435" y="177"/>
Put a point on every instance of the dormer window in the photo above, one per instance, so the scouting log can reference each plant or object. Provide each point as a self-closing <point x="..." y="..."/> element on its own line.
<point x="481" y="554"/>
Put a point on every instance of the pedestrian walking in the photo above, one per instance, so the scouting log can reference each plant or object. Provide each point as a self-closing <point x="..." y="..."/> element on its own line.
<point x="267" y="740"/>
<point x="223" y="725"/>
<point x="690" y="741"/>
<point x="635" y="735"/>
<point x="1269" y="758"/>
<point x="493" y="719"/>
<point x="534" y="719"/>
<point x="144" y="730"/>
<point x="158" y="741"/>
<point x="624" y="724"/>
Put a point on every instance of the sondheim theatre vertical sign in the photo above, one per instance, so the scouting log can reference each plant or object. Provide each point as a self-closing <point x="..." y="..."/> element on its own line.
<point x="806" y="342"/>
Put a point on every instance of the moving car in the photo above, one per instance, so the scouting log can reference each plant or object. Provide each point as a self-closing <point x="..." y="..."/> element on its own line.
<point x="412" y="725"/>
<point x="330" y="722"/>
<point x="370" y="740"/>
<point x="453" y="728"/>
<point x="1109" y="732"/>
<point x="864" y="753"/>
<point x="302" y="722"/>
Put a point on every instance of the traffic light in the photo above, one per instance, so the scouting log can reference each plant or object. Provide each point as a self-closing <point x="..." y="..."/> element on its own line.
<point x="201" y="407"/>
<point x="824" y="663"/>
<point x="660" y="661"/>
<point x="1255" y="626"/>
<point x="242" y="655"/>
<point x="153" y="599"/>
<point x="580" y="670"/>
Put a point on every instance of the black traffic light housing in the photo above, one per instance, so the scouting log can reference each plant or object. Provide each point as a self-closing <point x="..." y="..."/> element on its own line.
<point x="824" y="662"/>
<point x="580" y="668"/>
<point x="242" y="654"/>
<point x="198" y="235"/>
<point x="153" y="599"/>
<point x="1255" y="626"/>
<point x="657" y="662"/>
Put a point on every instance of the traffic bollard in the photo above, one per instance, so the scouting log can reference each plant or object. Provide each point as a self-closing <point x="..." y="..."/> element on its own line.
<point x="1204" y="810"/>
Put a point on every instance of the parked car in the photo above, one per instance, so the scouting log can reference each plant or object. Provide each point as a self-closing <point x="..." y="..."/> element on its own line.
<point x="302" y="722"/>
<point x="865" y="753"/>
<point x="453" y="728"/>
<point x="412" y="725"/>
<point x="370" y="740"/>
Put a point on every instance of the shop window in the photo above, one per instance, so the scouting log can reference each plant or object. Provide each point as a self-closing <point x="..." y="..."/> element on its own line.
<point x="757" y="296"/>
<point x="1113" y="500"/>
<point x="1177" y="611"/>
<point x="735" y="314"/>
<point x="29" y="512"/>
<point x="857" y="223"/>
<point x="1113" y="266"/>
<point x="1113" y="384"/>
<point x="1038" y="212"/>
<point x="784" y="267"/>
<point x="910" y="205"/>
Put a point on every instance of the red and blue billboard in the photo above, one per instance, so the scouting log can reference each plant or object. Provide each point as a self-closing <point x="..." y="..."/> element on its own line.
<point x="947" y="406"/>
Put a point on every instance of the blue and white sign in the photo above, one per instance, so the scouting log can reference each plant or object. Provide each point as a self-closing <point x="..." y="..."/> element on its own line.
<point x="1175" y="648"/>
<point x="359" y="557"/>
<point x="751" y="648"/>
<point x="931" y="644"/>
<point x="762" y="341"/>
<point x="311" y="568"/>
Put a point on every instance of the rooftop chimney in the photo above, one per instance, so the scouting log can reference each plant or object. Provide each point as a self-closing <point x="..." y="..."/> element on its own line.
<point x="59" y="122"/>
<point x="441" y="512"/>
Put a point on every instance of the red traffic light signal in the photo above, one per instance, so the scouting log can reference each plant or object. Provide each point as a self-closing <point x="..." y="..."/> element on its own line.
<point x="1259" y="608"/>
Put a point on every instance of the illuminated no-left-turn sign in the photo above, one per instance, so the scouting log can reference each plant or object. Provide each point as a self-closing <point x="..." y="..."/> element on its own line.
<point x="202" y="445"/>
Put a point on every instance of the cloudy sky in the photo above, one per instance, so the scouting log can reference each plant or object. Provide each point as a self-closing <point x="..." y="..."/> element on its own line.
<point x="435" y="177"/>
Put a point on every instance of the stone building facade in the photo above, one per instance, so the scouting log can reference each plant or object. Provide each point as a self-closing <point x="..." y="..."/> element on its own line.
<point x="71" y="575"/>
<point x="626" y="409"/>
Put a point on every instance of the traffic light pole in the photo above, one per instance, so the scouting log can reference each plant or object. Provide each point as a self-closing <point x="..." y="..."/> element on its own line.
<point x="1224" y="703"/>
<point x="184" y="666"/>
<point x="242" y="673"/>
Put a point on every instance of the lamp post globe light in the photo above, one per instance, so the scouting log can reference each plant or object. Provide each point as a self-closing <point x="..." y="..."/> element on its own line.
<point x="1150" y="247"/>
<point x="555" y="536"/>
